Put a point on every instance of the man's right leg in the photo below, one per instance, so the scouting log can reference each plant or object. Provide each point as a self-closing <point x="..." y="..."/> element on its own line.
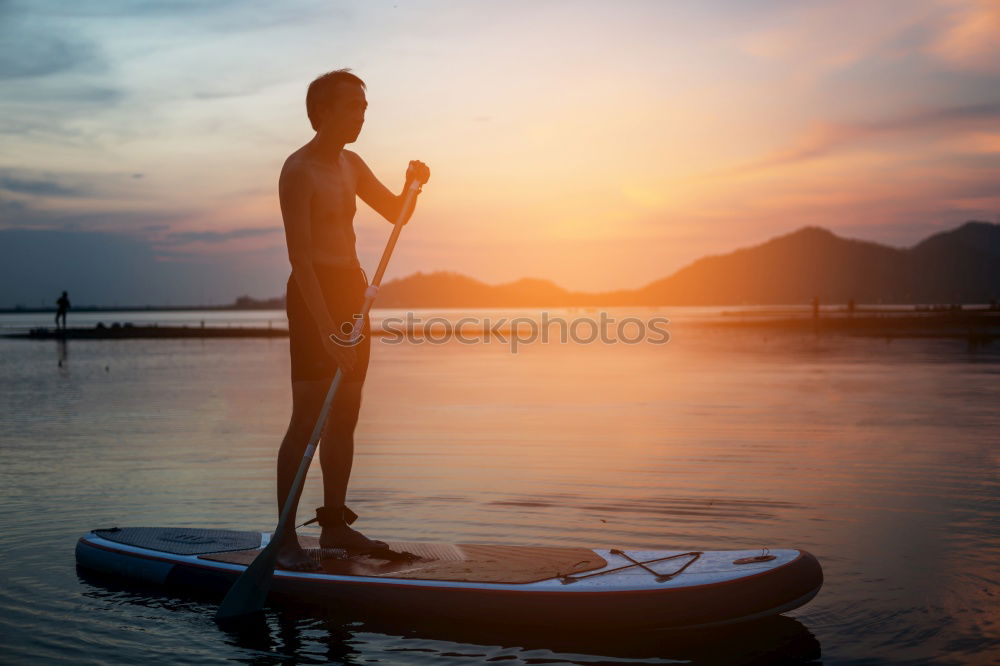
<point x="307" y="401"/>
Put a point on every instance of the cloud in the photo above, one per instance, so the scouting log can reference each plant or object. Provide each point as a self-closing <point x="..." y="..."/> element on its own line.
<point x="22" y="215"/>
<point x="977" y="142"/>
<point x="39" y="55"/>
<point x="30" y="49"/>
<point x="818" y="38"/>
<point x="53" y="72"/>
<point x="48" y="189"/>
<point x="180" y="237"/>
<point x="108" y="203"/>
<point x="117" y="268"/>
<point x="971" y="40"/>
<point x="42" y="188"/>
<point x="826" y="138"/>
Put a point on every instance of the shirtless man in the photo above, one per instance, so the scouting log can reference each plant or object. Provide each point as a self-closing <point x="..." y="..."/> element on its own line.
<point x="317" y="188"/>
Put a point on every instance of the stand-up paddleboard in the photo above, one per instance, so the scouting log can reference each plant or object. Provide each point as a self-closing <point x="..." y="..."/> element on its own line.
<point x="481" y="583"/>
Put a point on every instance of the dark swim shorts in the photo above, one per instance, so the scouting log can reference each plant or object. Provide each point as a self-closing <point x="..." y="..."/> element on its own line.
<point x="344" y="293"/>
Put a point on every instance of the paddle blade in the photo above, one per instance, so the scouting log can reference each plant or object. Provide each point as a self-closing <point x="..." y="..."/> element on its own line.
<point x="248" y="593"/>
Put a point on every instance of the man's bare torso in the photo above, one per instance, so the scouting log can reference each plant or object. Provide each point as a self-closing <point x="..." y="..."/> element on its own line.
<point x="332" y="195"/>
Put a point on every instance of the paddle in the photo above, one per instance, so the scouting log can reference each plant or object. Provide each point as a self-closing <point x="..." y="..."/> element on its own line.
<point x="248" y="593"/>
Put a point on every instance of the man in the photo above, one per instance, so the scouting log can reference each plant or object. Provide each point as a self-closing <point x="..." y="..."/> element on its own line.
<point x="63" y="306"/>
<point x="317" y="189"/>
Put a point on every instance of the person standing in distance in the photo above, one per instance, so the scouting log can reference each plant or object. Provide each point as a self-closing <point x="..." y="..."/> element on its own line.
<point x="62" y="306"/>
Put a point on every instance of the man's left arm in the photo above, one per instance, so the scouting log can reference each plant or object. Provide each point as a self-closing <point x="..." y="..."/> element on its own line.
<point x="378" y="196"/>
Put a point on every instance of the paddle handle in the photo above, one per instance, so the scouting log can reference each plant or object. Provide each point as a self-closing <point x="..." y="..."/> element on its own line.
<point x="295" y="492"/>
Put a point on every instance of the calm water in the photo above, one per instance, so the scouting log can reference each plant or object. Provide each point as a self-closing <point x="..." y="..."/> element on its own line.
<point x="881" y="459"/>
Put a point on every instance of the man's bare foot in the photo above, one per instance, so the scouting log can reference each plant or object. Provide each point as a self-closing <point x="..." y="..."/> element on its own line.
<point x="342" y="536"/>
<point x="292" y="557"/>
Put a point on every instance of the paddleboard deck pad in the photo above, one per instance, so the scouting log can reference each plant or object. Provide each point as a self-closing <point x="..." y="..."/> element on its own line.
<point x="616" y="587"/>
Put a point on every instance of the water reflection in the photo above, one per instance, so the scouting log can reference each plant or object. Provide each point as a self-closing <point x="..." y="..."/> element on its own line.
<point x="62" y="356"/>
<point x="881" y="460"/>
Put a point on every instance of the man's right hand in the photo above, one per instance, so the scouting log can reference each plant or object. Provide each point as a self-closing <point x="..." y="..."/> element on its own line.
<point x="345" y="357"/>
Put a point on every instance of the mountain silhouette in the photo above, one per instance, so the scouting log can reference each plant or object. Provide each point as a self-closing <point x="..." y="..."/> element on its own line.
<point x="452" y="290"/>
<point x="957" y="266"/>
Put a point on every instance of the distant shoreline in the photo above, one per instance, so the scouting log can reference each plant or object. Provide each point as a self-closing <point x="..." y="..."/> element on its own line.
<point x="979" y="326"/>
<point x="957" y="266"/>
<point x="724" y="309"/>
<point x="146" y="308"/>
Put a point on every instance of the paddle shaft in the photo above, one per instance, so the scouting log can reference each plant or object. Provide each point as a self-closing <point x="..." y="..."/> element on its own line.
<point x="295" y="492"/>
<point x="249" y="592"/>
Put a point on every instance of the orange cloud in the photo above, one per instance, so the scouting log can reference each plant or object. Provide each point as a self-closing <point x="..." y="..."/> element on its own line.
<point x="824" y="38"/>
<point x="972" y="40"/>
<point x="825" y="138"/>
<point x="983" y="143"/>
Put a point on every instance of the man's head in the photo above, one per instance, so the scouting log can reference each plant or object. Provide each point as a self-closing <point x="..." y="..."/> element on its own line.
<point x="336" y="104"/>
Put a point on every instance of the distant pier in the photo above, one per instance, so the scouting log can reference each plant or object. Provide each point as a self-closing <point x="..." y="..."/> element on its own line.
<point x="981" y="325"/>
<point x="129" y="331"/>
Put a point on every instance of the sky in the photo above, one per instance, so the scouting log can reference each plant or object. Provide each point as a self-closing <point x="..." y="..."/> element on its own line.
<point x="599" y="145"/>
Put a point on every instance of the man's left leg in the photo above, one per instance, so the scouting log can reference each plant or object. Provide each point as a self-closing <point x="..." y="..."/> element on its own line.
<point x="336" y="457"/>
<point x="337" y="451"/>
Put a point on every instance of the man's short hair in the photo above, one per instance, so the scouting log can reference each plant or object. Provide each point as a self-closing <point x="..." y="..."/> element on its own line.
<point x="323" y="91"/>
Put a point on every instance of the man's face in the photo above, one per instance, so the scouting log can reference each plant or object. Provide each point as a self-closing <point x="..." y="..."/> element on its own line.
<point x="347" y="113"/>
